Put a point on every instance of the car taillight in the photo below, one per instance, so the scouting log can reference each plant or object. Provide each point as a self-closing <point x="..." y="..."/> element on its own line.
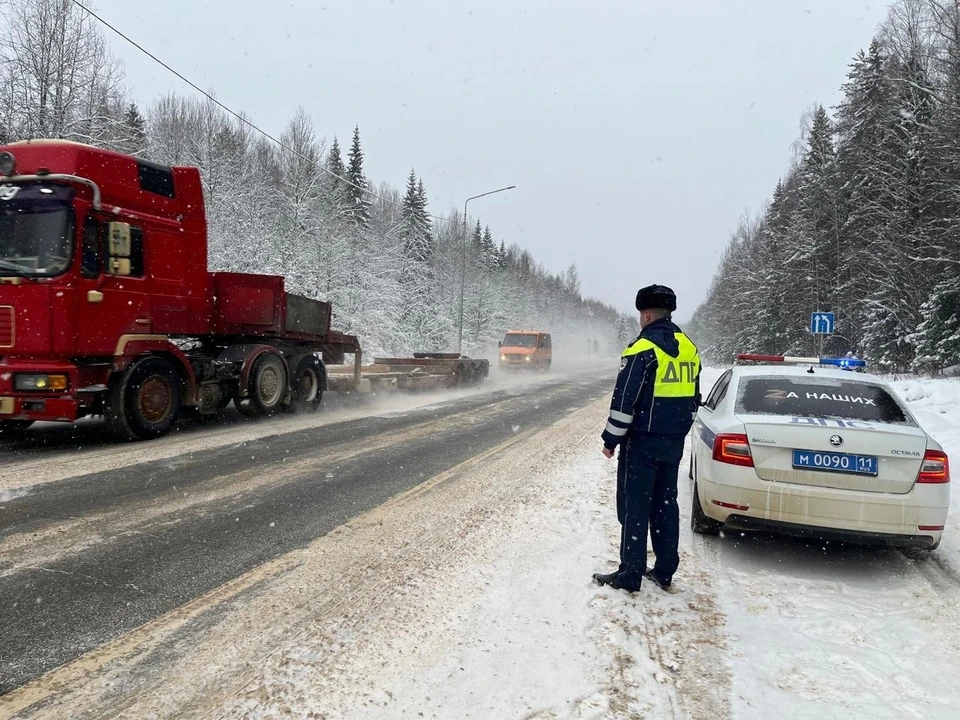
<point x="935" y="468"/>
<point x="732" y="448"/>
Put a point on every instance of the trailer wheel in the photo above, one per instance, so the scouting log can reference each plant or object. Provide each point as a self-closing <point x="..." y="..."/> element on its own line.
<point x="13" y="428"/>
<point x="307" y="385"/>
<point x="145" y="400"/>
<point x="266" y="387"/>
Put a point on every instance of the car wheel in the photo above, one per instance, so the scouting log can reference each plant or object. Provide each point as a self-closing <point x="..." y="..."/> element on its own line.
<point x="699" y="522"/>
<point x="917" y="554"/>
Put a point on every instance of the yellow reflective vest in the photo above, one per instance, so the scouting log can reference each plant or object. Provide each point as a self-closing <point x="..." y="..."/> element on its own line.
<point x="658" y="390"/>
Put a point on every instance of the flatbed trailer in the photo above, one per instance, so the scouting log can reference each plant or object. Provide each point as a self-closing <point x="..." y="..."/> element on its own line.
<point x="424" y="371"/>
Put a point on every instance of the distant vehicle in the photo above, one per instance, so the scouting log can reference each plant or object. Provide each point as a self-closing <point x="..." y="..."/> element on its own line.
<point x="816" y="452"/>
<point x="526" y="350"/>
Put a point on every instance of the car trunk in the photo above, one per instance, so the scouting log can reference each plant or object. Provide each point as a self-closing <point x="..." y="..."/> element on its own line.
<point x="899" y="450"/>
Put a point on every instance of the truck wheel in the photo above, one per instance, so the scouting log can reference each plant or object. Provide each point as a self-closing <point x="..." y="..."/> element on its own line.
<point x="267" y="385"/>
<point x="145" y="400"/>
<point x="307" y="385"/>
<point x="699" y="522"/>
<point x="13" y="428"/>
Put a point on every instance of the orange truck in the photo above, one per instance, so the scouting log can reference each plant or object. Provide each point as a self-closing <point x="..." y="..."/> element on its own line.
<point x="526" y="350"/>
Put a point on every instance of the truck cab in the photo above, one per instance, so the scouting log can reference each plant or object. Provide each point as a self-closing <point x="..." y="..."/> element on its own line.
<point x="526" y="350"/>
<point x="76" y="284"/>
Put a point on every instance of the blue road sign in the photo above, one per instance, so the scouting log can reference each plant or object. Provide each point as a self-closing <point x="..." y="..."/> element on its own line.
<point x="821" y="323"/>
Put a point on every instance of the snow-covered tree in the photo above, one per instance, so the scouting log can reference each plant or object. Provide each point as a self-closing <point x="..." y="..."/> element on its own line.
<point x="57" y="77"/>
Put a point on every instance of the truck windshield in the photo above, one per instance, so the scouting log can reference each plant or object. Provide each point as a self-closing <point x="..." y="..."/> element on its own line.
<point x="36" y="230"/>
<point x="517" y="340"/>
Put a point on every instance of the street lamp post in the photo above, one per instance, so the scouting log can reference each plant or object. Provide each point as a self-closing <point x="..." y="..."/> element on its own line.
<point x="463" y="261"/>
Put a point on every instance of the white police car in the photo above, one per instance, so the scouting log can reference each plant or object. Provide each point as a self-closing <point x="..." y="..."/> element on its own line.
<point x="815" y="451"/>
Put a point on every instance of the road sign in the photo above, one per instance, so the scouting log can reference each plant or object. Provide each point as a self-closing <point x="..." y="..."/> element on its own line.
<point x="821" y="323"/>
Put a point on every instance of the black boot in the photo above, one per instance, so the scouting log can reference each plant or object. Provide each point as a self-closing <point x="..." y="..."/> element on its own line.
<point x="652" y="577"/>
<point x="618" y="581"/>
<point x="606" y="579"/>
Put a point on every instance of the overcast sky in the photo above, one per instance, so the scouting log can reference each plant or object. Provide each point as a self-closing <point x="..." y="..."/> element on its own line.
<point x="637" y="133"/>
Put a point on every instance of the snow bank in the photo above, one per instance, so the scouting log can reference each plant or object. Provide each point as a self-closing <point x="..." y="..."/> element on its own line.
<point x="936" y="404"/>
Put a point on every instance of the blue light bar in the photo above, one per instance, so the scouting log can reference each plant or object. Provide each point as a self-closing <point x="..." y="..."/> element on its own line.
<point x="845" y="363"/>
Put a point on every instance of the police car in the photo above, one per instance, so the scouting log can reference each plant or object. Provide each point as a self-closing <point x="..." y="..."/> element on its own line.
<point x="802" y="447"/>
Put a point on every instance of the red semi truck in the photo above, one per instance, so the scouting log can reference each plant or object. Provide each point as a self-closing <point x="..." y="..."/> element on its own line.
<point x="107" y="307"/>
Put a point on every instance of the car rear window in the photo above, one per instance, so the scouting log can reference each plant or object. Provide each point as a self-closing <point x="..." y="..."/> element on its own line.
<point x="819" y="397"/>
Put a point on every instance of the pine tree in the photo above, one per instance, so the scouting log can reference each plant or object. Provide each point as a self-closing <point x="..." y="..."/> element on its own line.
<point x="417" y="240"/>
<point x="335" y="164"/>
<point x="937" y="339"/>
<point x="417" y="319"/>
<point x="476" y="240"/>
<point x="134" y="135"/>
<point x="360" y="205"/>
<point x="488" y="251"/>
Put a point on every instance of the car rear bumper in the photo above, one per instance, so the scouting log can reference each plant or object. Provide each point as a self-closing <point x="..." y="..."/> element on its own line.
<point x="913" y="518"/>
<point x="744" y="522"/>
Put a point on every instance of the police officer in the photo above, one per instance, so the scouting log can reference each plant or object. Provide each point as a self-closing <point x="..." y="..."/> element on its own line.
<point x="654" y="401"/>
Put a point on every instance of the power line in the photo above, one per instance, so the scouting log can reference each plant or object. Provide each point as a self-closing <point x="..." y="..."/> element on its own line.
<point x="237" y="115"/>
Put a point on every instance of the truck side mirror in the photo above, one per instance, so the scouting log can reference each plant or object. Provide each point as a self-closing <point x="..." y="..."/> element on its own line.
<point x="499" y="343"/>
<point x="118" y="244"/>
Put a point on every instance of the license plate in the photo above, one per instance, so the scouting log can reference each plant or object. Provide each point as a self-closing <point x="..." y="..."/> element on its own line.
<point x="835" y="462"/>
<point x="7" y="405"/>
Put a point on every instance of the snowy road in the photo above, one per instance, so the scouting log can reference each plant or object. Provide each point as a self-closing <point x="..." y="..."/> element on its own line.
<point x="468" y="596"/>
<point x="86" y="558"/>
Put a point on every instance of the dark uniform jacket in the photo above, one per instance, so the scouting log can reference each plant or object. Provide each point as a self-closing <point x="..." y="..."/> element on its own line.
<point x="658" y="388"/>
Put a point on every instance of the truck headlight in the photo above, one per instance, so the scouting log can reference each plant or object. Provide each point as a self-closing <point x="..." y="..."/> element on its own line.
<point x="34" y="383"/>
<point x="528" y="358"/>
<point x="503" y="358"/>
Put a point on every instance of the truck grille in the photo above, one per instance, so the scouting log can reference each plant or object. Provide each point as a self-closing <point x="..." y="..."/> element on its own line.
<point x="6" y="326"/>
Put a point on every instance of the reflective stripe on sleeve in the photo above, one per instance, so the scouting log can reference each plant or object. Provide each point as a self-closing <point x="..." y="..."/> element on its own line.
<point x="621" y="416"/>
<point x="616" y="431"/>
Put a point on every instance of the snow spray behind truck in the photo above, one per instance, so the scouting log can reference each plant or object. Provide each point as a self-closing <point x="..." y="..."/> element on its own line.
<point x="107" y="307"/>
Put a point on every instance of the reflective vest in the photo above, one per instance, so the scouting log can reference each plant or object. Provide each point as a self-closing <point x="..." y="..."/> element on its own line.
<point x="674" y="397"/>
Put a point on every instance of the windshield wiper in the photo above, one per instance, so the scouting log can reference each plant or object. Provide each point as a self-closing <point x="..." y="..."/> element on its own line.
<point x="10" y="265"/>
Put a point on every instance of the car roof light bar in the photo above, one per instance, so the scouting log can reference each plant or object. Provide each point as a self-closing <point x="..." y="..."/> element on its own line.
<point x="843" y="362"/>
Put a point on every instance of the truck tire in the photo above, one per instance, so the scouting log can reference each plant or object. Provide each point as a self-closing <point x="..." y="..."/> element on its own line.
<point x="307" y="386"/>
<point x="699" y="522"/>
<point x="144" y="401"/>
<point x="13" y="428"/>
<point x="266" y="386"/>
